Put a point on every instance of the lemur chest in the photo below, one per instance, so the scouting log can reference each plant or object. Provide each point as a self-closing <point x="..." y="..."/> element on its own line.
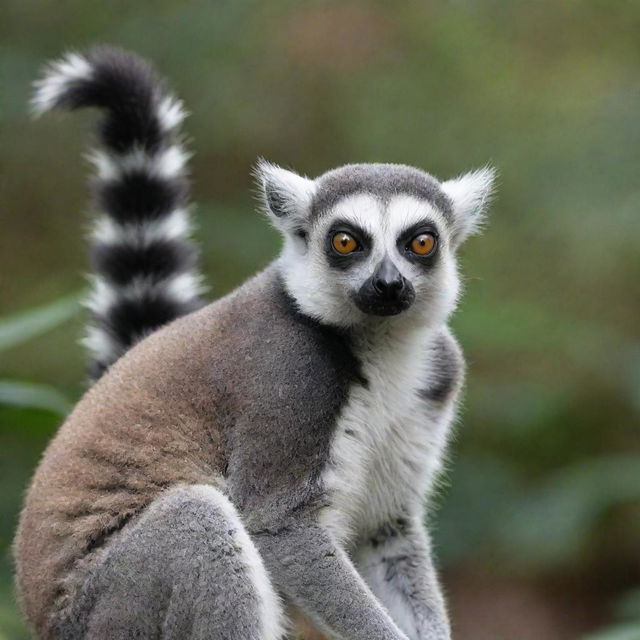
<point x="386" y="449"/>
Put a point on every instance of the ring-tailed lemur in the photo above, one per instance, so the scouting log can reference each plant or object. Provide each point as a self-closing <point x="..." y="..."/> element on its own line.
<point x="274" y="448"/>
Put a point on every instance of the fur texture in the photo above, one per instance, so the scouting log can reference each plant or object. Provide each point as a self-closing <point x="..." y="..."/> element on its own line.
<point x="282" y="440"/>
<point x="396" y="564"/>
<point x="144" y="266"/>
<point x="188" y="543"/>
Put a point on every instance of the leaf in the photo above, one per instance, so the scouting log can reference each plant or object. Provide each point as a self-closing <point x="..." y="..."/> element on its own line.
<point x="25" y="325"/>
<point x="36" y="396"/>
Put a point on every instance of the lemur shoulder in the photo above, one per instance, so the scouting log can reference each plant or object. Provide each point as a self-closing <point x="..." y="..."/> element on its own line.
<point x="272" y="449"/>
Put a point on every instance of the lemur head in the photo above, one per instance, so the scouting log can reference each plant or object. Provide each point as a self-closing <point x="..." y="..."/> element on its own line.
<point x="367" y="241"/>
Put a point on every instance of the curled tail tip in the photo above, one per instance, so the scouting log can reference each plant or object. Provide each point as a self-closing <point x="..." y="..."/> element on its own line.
<point x="106" y="77"/>
<point x="52" y="89"/>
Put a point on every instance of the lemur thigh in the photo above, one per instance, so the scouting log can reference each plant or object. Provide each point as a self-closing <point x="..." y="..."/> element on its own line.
<point x="186" y="569"/>
<point x="396" y="564"/>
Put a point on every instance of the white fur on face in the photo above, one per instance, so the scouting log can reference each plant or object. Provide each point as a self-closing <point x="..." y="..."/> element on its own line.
<point x="324" y="292"/>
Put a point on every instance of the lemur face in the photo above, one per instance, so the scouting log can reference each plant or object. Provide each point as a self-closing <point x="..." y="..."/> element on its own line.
<point x="385" y="254"/>
<point x="371" y="241"/>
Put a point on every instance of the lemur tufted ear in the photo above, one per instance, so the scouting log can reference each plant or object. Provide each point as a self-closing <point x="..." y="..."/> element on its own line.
<point x="470" y="195"/>
<point x="286" y="196"/>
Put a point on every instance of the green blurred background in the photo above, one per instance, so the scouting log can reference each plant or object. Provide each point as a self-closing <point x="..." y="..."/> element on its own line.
<point x="538" y="525"/>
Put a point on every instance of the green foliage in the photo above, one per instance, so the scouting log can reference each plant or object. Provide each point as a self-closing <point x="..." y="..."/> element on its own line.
<point x="37" y="396"/>
<point x="26" y="325"/>
<point x="20" y="328"/>
<point x="28" y="414"/>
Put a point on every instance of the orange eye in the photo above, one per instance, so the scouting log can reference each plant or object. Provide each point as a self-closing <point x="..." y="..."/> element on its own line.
<point x="423" y="244"/>
<point x="344" y="243"/>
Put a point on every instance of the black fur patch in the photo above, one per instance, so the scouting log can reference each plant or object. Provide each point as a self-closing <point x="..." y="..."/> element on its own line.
<point x="337" y="343"/>
<point x="389" y="530"/>
<point x="425" y="262"/>
<point x="138" y="196"/>
<point x="340" y="261"/>
<point x="121" y="263"/>
<point x="448" y="365"/>
<point x="276" y="201"/>
<point x="130" y="319"/>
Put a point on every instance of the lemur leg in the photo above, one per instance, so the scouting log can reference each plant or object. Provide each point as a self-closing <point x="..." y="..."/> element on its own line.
<point x="186" y="569"/>
<point x="396" y="564"/>
<point x="318" y="577"/>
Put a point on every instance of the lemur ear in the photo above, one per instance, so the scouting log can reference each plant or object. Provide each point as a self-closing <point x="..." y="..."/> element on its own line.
<point x="470" y="195"/>
<point x="286" y="196"/>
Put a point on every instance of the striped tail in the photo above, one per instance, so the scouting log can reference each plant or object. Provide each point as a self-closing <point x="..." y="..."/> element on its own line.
<point x="144" y="265"/>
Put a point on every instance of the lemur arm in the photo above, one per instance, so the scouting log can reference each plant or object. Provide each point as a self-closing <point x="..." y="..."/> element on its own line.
<point x="396" y="564"/>
<point x="321" y="580"/>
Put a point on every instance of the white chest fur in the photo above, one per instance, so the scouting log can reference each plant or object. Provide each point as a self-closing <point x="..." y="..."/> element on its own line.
<point x="389" y="438"/>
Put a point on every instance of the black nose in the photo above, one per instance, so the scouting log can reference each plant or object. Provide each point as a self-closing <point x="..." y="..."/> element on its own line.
<point x="387" y="280"/>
